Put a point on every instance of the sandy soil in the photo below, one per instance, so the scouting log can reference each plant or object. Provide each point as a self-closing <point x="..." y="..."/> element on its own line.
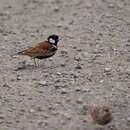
<point x="93" y="67"/>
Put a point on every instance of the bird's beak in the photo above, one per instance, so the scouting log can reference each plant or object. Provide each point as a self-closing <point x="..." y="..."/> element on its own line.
<point x="60" y="39"/>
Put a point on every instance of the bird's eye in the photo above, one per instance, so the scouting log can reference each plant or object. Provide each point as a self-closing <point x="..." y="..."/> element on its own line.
<point x="51" y="40"/>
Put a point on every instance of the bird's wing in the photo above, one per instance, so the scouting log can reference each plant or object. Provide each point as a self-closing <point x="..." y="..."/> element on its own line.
<point x="33" y="51"/>
<point x="41" y="49"/>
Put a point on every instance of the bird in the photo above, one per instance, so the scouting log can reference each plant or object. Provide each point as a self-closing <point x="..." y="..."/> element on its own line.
<point x="42" y="50"/>
<point x="101" y="114"/>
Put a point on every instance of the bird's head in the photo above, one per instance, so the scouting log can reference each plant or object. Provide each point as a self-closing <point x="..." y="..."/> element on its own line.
<point x="53" y="39"/>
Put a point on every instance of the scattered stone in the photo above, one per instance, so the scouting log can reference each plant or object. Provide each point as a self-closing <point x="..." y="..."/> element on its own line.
<point x="112" y="127"/>
<point x="32" y="110"/>
<point x="46" y="115"/>
<point x="128" y="119"/>
<point x="75" y="76"/>
<point x="59" y="25"/>
<point x="77" y="89"/>
<point x="19" y="77"/>
<point x="56" y="9"/>
<point x="84" y="89"/>
<point x="85" y="54"/>
<point x="20" y="67"/>
<point x="63" y="52"/>
<point x="22" y="94"/>
<point x="51" y="108"/>
<point x="78" y="67"/>
<point x="80" y="100"/>
<point x="44" y="83"/>
<point x="67" y="115"/>
<point x="57" y="81"/>
<point x="63" y="91"/>
<point x="101" y="114"/>
<point x="58" y="73"/>
<point x="111" y="5"/>
<point x="107" y="69"/>
<point x="57" y="86"/>
<point x="6" y="85"/>
<point x="62" y="64"/>
<point x="101" y="81"/>
<point x="77" y="58"/>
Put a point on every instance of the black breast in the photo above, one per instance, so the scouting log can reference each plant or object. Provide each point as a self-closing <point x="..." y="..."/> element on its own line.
<point x="43" y="57"/>
<point x="50" y="53"/>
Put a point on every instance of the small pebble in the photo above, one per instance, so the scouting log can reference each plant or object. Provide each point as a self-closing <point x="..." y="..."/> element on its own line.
<point x="77" y="58"/>
<point x="46" y="115"/>
<point x="78" y="67"/>
<point x="63" y="52"/>
<point x="80" y="100"/>
<point x="58" y="73"/>
<point x="62" y="64"/>
<point x="59" y="25"/>
<point x="67" y="115"/>
<point x="56" y="9"/>
<point x="128" y="119"/>
<point x="57" y="86"/>
<point x="101" y="81"/>
<point x="111" y="6"/>
<point x="22" y="94"/>
<point x="32" y="110"/>
<point x="43" y="83"/>
<point x="6" y="85"/>
<point x="85" y="54"/>
<point x="63" y="91"/>
<point x="19" y="77"/>
<point x="77" y="89"/>
<point x="107" y="69"/>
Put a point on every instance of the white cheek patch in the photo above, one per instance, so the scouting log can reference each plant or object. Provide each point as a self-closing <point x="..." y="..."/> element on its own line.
<point x="51" y="40"/>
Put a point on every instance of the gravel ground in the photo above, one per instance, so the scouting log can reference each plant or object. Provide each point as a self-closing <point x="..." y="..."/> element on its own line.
<point x="93" y="67"/>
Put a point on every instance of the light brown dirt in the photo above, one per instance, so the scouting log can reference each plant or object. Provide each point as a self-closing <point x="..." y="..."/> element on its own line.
<point x="93" y="67"/>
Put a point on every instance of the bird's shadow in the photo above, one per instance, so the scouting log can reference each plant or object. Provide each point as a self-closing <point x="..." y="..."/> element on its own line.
<point x="26" y="67"/>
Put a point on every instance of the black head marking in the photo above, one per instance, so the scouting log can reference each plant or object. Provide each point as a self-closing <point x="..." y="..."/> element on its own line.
<point x="53" y="39"/>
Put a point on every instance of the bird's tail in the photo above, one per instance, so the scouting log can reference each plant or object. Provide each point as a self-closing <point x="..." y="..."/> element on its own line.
<point x="18" y="54"/>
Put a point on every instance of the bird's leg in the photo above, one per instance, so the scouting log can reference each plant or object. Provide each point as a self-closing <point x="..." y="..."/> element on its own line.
<point x="36" y="64"/>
